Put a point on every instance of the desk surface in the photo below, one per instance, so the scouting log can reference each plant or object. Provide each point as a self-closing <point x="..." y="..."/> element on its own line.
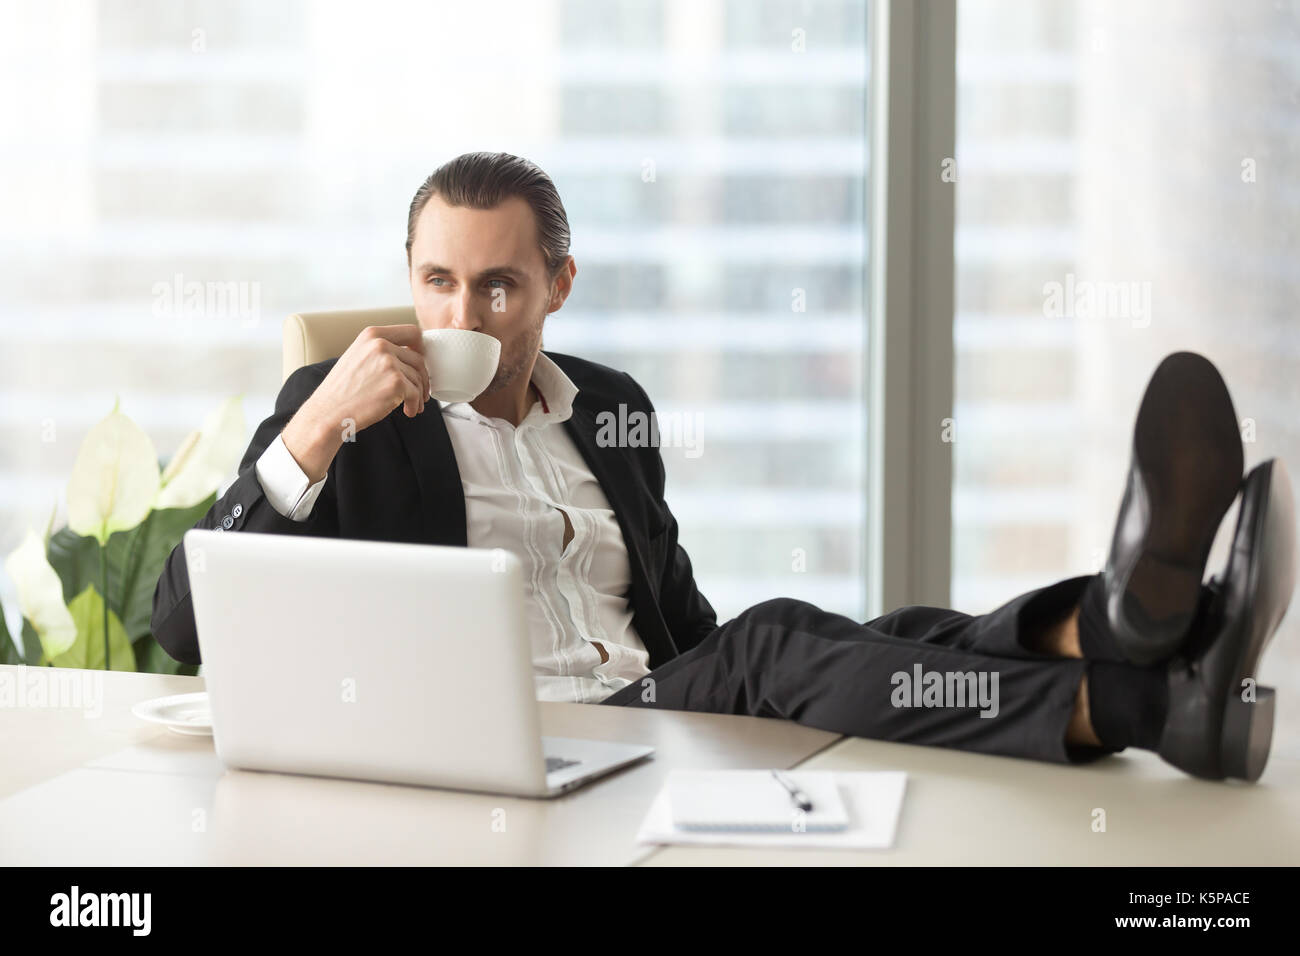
<point x="108" y="789"/>
<point x="970" y="809"/>
<point x="97" y="786"/>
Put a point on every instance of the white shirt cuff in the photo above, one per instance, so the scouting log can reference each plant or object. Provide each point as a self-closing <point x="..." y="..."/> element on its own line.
<point x="284" y="483"/>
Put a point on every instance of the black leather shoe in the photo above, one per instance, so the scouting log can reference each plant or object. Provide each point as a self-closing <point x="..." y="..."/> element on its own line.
<point x="1184" y="472"/>
<point x="1210" y="730"/>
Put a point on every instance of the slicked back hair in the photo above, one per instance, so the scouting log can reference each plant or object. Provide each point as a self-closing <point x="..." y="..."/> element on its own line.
<point x="485" y="180"/>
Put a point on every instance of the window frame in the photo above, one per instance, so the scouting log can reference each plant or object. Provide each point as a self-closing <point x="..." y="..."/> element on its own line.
<point x="910" y="359"/>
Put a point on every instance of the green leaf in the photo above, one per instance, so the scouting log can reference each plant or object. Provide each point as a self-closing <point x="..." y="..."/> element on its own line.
<point x="75" y="558"/>
<point x="8" y="650"/>
<point x="88" y="651"/>
<point x="135" y="562"/>
<point x="32" y="651"/>
<point x="115" y="478"/>
<point x="150" y="658"/>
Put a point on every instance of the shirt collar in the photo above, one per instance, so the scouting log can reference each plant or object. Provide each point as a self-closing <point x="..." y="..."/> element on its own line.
<point x="555" y="394"/>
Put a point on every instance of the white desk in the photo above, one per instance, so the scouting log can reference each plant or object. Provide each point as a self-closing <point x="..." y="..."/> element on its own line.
<point x="113" y="790"/>
<point x="971" y="809"/>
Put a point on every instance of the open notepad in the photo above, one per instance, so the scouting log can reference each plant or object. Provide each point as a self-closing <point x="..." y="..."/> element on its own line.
<point x="740" y="808"/>
<point x="753" y="800"/>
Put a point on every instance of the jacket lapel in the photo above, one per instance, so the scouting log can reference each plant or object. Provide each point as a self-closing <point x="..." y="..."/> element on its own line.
<point x="429" y="447"/>
<point x="612" y="471"/>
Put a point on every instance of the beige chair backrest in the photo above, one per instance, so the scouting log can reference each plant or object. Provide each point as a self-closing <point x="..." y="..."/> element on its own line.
<point x="311" y="337"/>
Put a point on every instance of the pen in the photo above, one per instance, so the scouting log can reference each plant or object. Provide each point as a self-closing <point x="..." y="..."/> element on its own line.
<point x="798" y="796"/>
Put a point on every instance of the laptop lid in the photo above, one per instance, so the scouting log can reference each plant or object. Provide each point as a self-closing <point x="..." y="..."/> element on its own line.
<point x="374" y="660"/>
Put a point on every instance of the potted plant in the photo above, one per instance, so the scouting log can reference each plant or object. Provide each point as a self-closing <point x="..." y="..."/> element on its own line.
<point x="86" y="590"/>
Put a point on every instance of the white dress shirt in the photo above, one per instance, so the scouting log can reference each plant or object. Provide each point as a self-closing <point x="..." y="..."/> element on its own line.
<point x="519" y="484"/>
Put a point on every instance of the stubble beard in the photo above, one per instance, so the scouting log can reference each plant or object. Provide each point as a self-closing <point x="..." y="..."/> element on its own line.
<point x="519" y="359"/>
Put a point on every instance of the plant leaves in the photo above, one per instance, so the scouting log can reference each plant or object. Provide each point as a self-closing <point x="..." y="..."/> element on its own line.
<point x="138" y="563"/>
<point x="32" y="645"/>
<point x="115" y="478"/>
<point x="201" y="464"/>
<point x="88" y="650"/>
<point x="75" y="558"/>
<point x="151" y="658"/>
<point x="40" y="596"/>
<point x="135" y="562"/>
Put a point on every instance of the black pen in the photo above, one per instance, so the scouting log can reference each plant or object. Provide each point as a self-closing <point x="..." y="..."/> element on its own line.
<point x="798" y="796"/>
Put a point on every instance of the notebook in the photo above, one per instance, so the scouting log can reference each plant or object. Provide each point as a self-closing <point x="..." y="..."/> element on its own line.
<point x="874" y="800"/>
<point x="754" y="800"/>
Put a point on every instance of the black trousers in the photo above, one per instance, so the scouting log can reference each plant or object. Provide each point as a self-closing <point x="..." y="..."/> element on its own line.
<point x="789" y="659"/>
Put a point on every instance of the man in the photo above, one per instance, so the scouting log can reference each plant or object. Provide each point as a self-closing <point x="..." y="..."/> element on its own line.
<point x="1142" y="654"/>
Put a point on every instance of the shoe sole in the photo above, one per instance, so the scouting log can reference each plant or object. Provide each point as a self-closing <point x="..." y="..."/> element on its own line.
<point x="1247" y="735"/>
<point x="1247" y="728"/>
<point x="1187" y="447"/>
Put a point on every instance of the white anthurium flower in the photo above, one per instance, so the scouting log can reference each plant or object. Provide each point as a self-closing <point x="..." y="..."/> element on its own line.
<point x="205" y="457"/>
<point x="114" y="479"/>
<point x="182" y="455"/>
<point x="40" y="595"/>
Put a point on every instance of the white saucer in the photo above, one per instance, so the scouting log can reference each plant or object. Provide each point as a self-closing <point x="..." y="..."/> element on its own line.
<point x="181" y="713"/>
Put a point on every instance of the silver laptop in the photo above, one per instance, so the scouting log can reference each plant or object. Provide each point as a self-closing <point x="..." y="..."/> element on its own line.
<point x="403" y="663"/>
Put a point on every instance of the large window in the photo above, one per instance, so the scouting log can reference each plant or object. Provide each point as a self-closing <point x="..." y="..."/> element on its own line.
<point x="711" y="156"/>
<point x="1128" y="188"/>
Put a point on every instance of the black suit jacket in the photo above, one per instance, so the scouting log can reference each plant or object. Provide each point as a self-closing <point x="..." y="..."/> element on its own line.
<point x="398" y="481"/>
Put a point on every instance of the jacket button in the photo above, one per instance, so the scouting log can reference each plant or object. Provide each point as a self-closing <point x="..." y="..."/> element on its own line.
<point x="237" y="511"/>
<point x="227" y="522"/>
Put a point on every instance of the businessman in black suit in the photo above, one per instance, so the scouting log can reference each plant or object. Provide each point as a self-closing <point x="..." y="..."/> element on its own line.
<point x="1143" y="654"/>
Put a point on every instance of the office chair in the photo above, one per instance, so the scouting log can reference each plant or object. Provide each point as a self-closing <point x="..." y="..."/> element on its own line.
<point x="311" y="337"/>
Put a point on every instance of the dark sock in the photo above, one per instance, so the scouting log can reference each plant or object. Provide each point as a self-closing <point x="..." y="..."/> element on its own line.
<point x="1127" y="704"/>
<point x="1096" y="643"/>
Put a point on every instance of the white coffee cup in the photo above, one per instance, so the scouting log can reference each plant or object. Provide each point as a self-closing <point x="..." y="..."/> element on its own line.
<point x="461" y="363"/>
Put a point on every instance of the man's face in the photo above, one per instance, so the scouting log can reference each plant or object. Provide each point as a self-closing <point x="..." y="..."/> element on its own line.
<point x="482" y="269"/>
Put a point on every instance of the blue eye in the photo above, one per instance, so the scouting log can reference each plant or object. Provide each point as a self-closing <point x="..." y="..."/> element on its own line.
<point x="433" y="279"/>
<point x="503" y="281"/>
